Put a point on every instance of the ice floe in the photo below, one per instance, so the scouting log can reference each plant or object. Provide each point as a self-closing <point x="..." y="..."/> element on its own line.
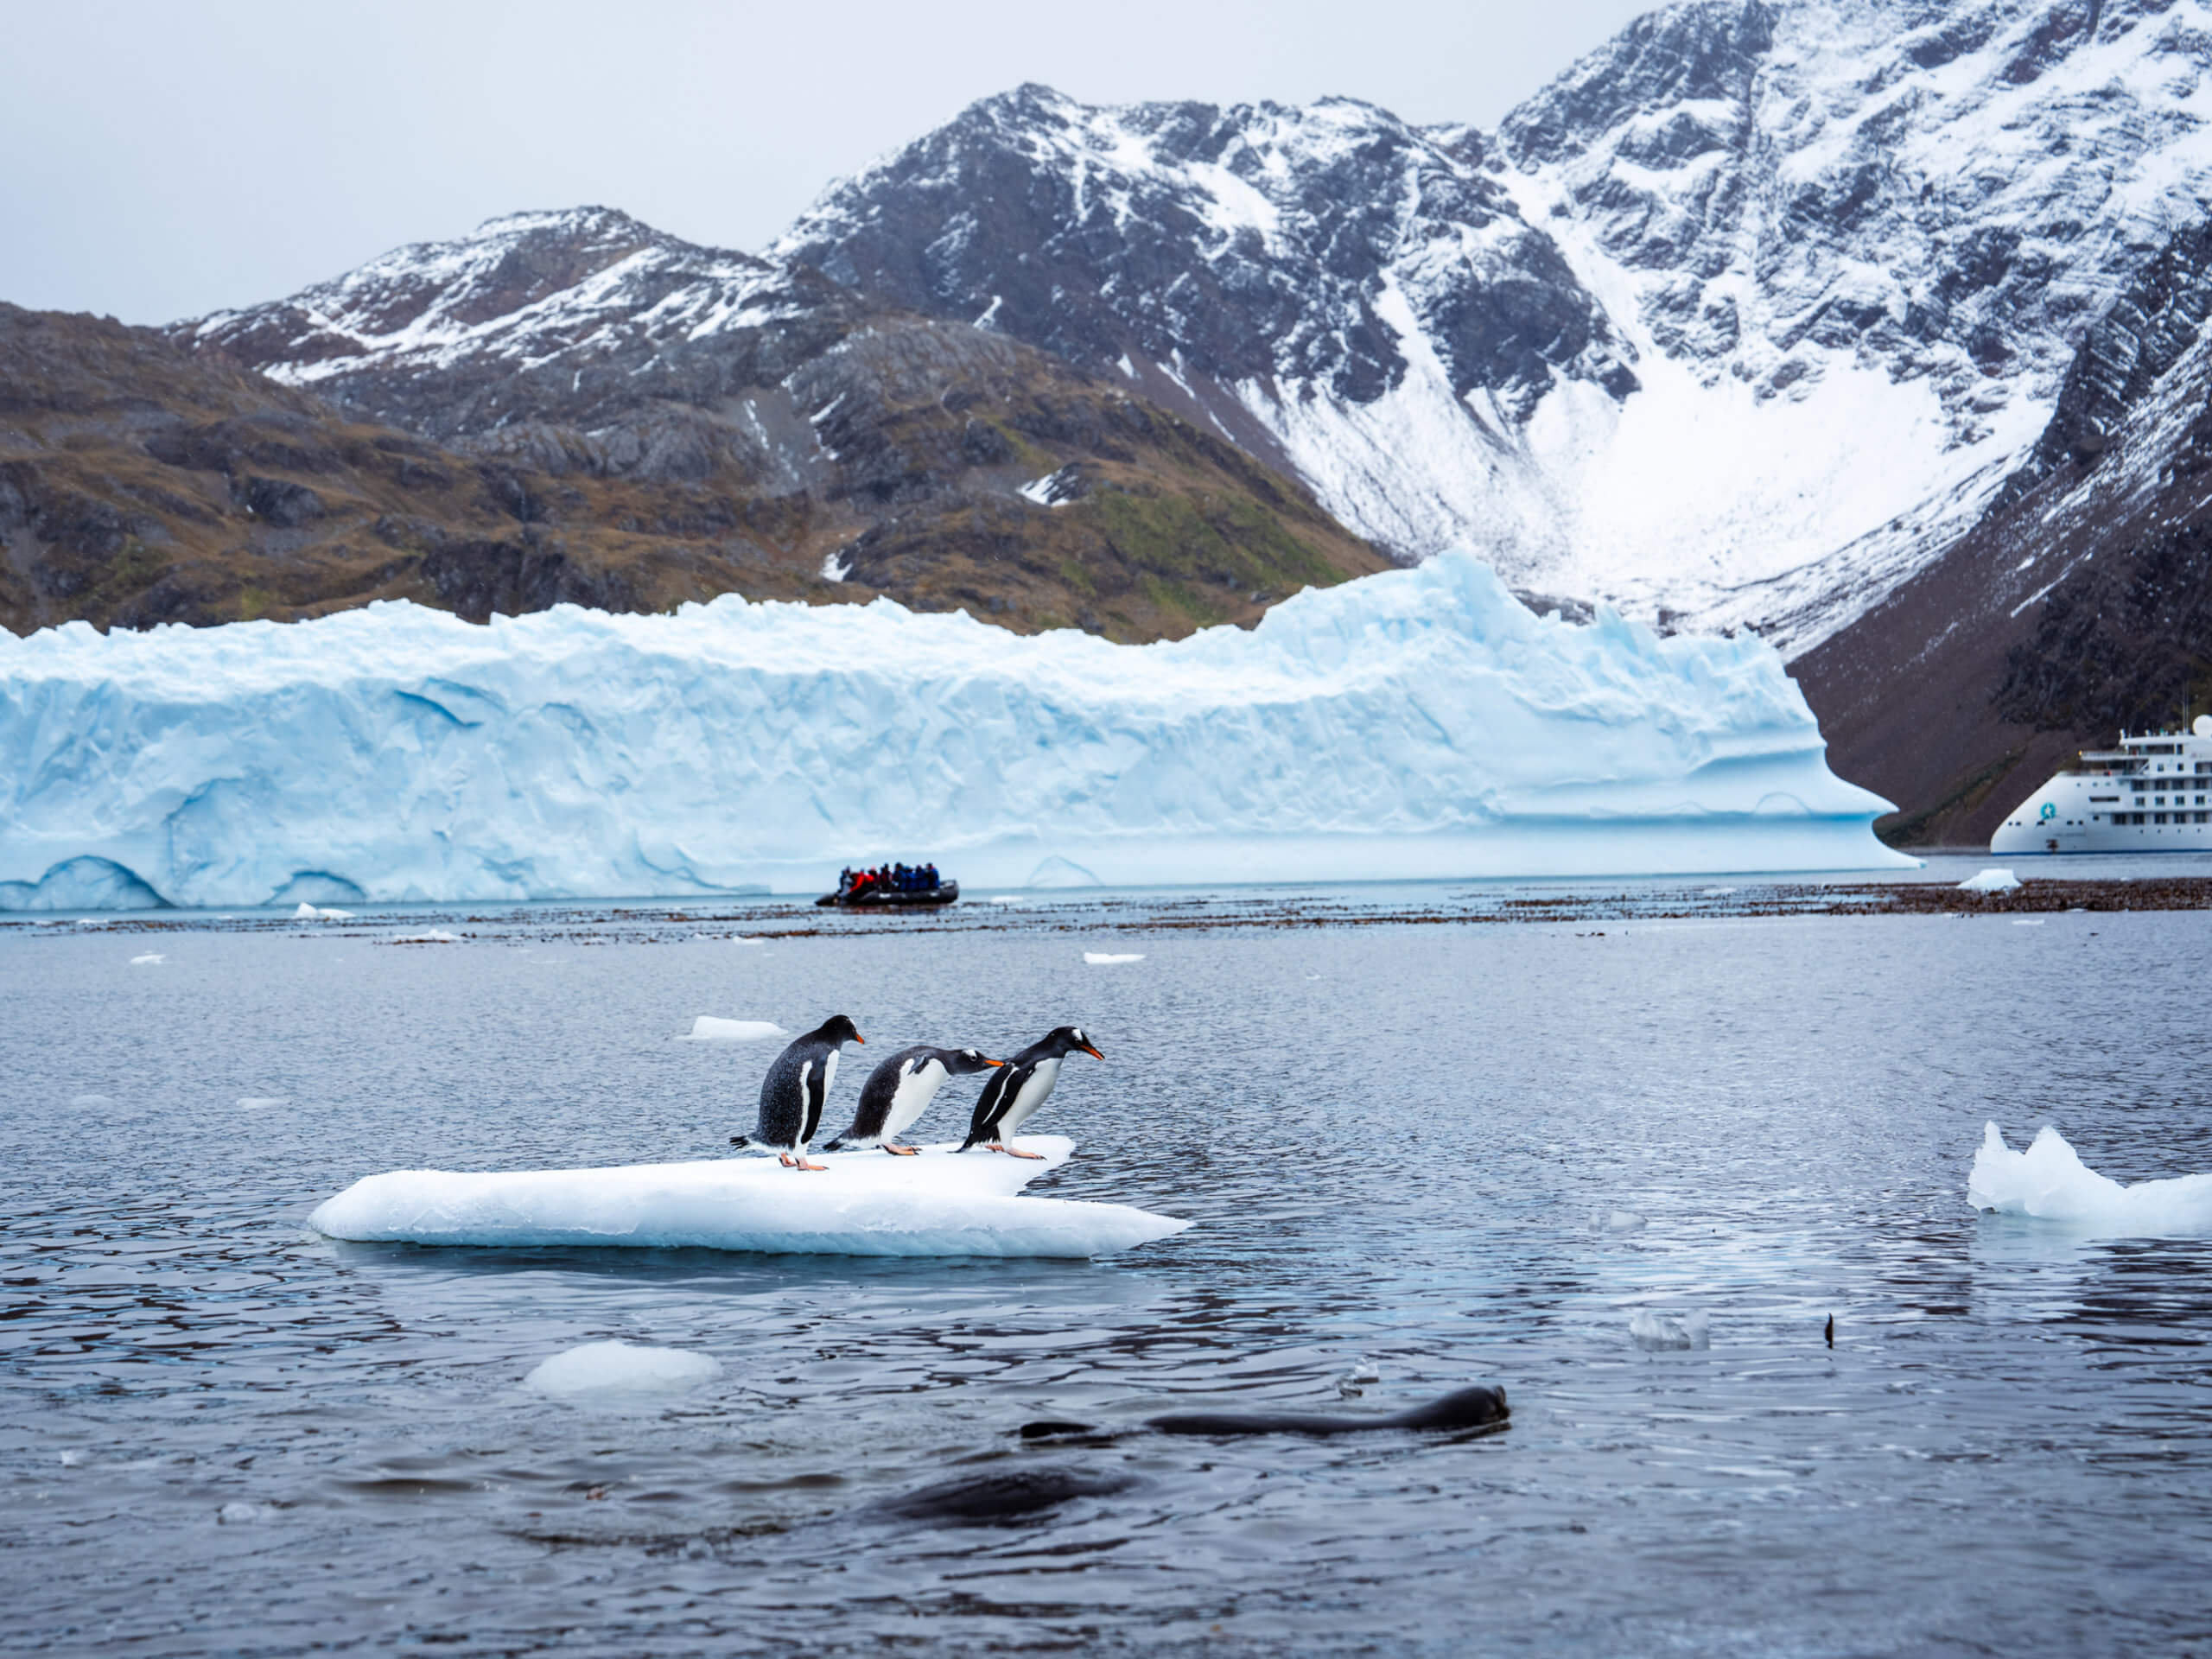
<point x="942" y="1202"/>
<point x="151" y="959"/>
<point x="2050" y="1182"/>
<point x="1659" y="1333"/>
<point x="427" y="936"/>
<point x="307" y="912"/>
<point x="607" y="1370"/>
<point x="707" y="1028"/>
<point x="1990" y="881"/>
<point x="1105" y="958"/>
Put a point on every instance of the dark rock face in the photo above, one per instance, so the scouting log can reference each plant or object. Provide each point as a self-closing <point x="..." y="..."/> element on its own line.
<point x="2081" y="602"/>
<point x="1254" y="242"/>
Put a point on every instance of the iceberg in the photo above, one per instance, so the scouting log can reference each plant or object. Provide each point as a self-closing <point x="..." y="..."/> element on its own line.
<point x="941" y="1202"/>
<point x="2050" y="1182"/>
<point x="1415" y="724"/>
<point x="1990" y="881"/>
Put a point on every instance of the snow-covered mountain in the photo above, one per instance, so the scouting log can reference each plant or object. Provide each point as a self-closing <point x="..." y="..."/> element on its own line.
<point x="610" y="379"/>
<point x="1743" y="319"/>
<point x="1746" y="316"/>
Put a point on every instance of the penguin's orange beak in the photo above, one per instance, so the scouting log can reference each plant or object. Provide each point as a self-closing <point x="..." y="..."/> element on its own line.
<point x="861" y="1040"/>
<point x="1093" y="1052"/>
<point x="993" y="1062"/>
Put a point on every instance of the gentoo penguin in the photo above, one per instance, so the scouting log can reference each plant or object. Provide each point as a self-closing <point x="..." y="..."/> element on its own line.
<point x="898" y="1091"/>
<point x="1019" y="1089"/>
<point x="793" y="1092"/>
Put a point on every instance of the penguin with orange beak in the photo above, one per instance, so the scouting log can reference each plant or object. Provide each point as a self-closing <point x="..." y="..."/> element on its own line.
<point x="1019" y="1087"/>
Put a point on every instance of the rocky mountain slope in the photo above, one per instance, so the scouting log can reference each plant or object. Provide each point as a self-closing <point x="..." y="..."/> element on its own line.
<point x="597" y="412"/>
<point x="2080" y="604"/>
<point x="1745" y="318"/>
<point x="947" y="466"/>
<point x="140" y="483"/>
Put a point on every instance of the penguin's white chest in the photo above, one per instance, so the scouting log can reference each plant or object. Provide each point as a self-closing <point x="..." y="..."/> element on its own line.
<point x="917" y="1086"/>
<point x="1034" y="1088"/>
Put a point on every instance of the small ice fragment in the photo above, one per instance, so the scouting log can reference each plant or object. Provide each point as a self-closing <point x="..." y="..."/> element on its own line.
<point x="1660" y="1333"/>
<point x="1008" y="898"/>
<point x="1363" y="1372"/>
<point x="2049" y="1181"/>
<point x="1990" y="881"/>
<point x="244" y="1515"/>
<point x="1623" y="1221"/>
<point x="151" y="959"/>
<point x="69" y="1459"/>
<point x="89" y="1101"/>
<point x="1718" y="892"/>
<point x="706" y="1028"/>
<point x="307" y="912"/>
<point x="2031" y="921"/>
<point x="614" y="1370"/>
<point x="1102" y="958"/>
<point x="261" y="1102"/>
<point x="429" y="936"/>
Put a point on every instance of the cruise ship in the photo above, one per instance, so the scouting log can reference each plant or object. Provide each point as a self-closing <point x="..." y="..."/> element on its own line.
<point x="2153" y="794"/>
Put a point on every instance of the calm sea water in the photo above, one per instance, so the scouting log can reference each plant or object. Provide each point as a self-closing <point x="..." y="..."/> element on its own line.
<point x="1401" y="1145"/>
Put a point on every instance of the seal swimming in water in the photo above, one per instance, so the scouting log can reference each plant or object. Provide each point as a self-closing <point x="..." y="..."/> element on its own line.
<point x="792" y="1093"/>
<point x="1479" y="1407"/>
<point x="1020" y="1088"/>
<point x="900" y="1091"/>
<point x="1003" y="1499"/>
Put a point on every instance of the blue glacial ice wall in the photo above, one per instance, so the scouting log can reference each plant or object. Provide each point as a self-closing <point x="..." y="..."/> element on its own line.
<point x="1418" y="723"/>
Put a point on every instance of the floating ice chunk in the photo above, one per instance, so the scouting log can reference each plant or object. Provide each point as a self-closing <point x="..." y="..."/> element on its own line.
<point x="307" y="912"/>
<point x="607" y="1370"/>
<point x="261" y="1102"/>
<point x="1008" y="898"/>
<point x="1990" y="881"/>
<point x="1102" y="959"/>
<point x="151" y="959"/>
<point x="1659" y="1333"/>
<point x="1364" y="1370"/>
<point x="239" y="1514"/>
<point x="2028" y="921"/>
<point x="706" y="1028"/>
<point x="942" y="1202"/>
<point x="1718" y="892"/>
<point x="2050" y="1182"/>
<point x="427" y="936"/>
<point x="1619" y="1221"/>
<point x="90" y="1102"/>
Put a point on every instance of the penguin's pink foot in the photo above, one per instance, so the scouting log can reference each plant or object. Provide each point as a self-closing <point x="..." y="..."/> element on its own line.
<point x="784" y="1159"/>
<point x="1012" y="1153"/>
<point x="802" y="1164"/>
<point x="902" y="1151"/>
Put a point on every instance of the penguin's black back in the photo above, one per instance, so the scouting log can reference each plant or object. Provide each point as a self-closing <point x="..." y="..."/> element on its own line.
<point x="792" y="1093"/>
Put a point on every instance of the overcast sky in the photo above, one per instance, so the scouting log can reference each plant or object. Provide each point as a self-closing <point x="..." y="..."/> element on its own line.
<point x="159" y="158"/>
